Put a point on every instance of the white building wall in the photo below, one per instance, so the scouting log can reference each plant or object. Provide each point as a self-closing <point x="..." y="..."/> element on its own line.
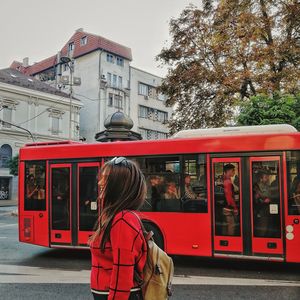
<point x="94" y="90"/>
<point x="87" y="69"/>
<point x="33" y="111"/>
<point x="155" y="102"/>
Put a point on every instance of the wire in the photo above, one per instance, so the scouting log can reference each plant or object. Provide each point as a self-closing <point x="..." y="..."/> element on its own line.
<point x="55" y="106"/>
<point x="95" y="99"/>
<point x="33" y="117"/>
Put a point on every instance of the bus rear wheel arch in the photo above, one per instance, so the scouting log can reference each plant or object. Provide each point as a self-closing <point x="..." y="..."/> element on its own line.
<point x="158" y="236"/>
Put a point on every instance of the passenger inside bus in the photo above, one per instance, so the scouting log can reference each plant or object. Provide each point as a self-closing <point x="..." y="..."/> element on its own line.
<point x="296" y="199"/>
<point x="35" y="194"/>
<point x="262" y="199"/>
<point x="31" y="188"/>
<point x="171" y="191"/>
<point x="155" y="191"/>
<point x="230" y="211"/>
<point x="188" y="191"/>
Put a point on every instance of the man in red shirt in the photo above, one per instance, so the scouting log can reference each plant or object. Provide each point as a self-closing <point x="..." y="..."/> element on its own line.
<point x="230" y="210"/>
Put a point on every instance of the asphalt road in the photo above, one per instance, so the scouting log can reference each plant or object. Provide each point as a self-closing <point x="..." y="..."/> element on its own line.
<point x="32" y="272"/>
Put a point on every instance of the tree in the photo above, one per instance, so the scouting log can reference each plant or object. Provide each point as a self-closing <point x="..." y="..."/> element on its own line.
<point x="13" y="165"/>
<point x="264" y="110"/>
<point x="226" y="52"/>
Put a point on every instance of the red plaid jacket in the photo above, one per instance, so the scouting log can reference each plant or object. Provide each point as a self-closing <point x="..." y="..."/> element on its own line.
<point x="113" y="270"/>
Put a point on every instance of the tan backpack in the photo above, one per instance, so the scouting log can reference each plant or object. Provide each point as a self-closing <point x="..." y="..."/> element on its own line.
<point x="158" y="272"/>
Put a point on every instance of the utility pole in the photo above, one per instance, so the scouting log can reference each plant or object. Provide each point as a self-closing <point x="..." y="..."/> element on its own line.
<point x="70" y="62"/>
<point x="71" y="67"/>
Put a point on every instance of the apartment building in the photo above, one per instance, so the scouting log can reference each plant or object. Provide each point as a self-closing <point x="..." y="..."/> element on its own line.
<point x="150" y="109"/>
<point x="30" y="111"/>
<point x="107" y="84"/>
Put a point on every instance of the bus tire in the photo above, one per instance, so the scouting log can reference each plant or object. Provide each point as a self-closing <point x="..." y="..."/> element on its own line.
<point x="157" y="236"/>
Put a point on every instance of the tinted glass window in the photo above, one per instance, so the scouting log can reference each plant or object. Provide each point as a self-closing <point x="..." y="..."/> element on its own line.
<point x="293" y="182"/>
<point x="227" y="199"/>
<point x="35" y="186"/>
<point x="266" y="199"/>
<point x="88" y="193"/>
<point x="163" y="183"/>
<point x="61" y="198"/>
<point x="166" y="188"/>
<point x="194" y="198"/>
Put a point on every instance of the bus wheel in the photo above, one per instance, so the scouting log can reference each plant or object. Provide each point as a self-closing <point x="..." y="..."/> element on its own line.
<point x="158" y="237"/>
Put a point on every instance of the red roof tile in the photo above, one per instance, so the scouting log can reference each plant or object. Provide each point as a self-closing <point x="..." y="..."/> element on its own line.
<point x="94" y="42"/>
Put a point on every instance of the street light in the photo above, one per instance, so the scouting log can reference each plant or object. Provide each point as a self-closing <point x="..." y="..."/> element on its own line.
<point x="70" y="62"/>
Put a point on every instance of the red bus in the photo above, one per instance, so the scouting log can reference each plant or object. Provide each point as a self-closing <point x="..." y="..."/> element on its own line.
<point x="186" y="204"/>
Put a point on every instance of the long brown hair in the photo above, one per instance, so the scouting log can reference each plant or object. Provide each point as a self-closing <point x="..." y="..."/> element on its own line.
<point x="122" y="186"/>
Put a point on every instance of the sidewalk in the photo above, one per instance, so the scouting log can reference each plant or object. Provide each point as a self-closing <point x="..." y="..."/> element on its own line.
<point x="8" y="203"/>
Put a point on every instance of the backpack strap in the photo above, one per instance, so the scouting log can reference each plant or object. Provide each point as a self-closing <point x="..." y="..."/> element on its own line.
<point x="171" y="274"/>
<point x="147" y="236"/>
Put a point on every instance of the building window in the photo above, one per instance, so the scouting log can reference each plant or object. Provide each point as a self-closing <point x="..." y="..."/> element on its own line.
<point x="71" y="47"/>
<point x="143" y="111"/>
<point x="162" y="116"/>
<point x="153" y="114"/>
<point x="110" y="58"/>
<point x="119" y="101"/>
<point x="109" y="79"/>
<point x="149" y="134"/>
<point x="161" y="97"/>
<point x="110" y="99"/>
<point x="143" y="89"/>
<point x="120" y="61"/>
<point x="162" y="135"/>
<point x="5" y="155"/>
<point x="152" y="92"/>
<point x="83" y="41"/>
<point x="55" y="125"/>
<point x="120" y="82"/>
<point x="7" y="116"/>
<point x="114" y="84"/>
<point x="143" y="133"/>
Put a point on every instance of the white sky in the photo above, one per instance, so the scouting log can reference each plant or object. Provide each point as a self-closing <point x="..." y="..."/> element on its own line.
<point x="40" y="28"/>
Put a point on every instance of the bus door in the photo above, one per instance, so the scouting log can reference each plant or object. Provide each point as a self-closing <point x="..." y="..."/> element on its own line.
<point x="247" y="206"/>
<point x="227" y="204"/>
<point x="87" y="194"/>
<point x="60" y="204"/>
<point x="266" y="205"/>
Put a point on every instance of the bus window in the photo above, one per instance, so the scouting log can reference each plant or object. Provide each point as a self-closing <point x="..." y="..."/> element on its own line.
<point x="293" y="177"/>
<point x="163" y="183"/>
<point x="61" y="198"/>
<point x="266" y="199"/>
<point x="173" y="188"/>
<point x="35" y="182"/>
<point x="88" y="193"/>
<point x="227" y="199"/>
<point x="194" y="184"/>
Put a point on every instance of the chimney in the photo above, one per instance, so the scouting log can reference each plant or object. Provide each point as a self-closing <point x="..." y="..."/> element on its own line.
<point x="25" y="62"/>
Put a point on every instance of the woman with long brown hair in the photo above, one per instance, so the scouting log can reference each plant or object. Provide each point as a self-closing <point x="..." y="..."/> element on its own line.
<point x="118" y="246"/>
